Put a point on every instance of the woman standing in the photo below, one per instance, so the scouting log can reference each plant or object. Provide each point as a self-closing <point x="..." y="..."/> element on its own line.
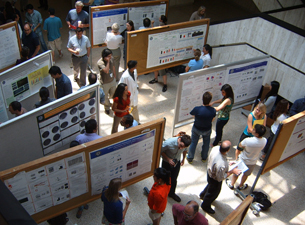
<point x="113" y="207"/>
<point x="271" y="96"/>
<point x="195" y="64"/>
<point x="120" y="107"/>
<point x="206" y="55"/>
<point x="157" y="197"/>
<point x="224" y="110"/>
<point x="162" y="20"/>
<point x="129" y="27"/>
<point x="113" y="41"/>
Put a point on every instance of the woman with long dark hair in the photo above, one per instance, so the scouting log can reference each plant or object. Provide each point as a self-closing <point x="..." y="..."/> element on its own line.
<point x="206" y="55"/>
<point x="271" y="96"/>
<point x="224" y="110"/>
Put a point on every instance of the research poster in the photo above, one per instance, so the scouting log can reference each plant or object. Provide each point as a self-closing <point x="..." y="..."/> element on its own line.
<point x="103" y="20"/>
<point x="50" y="185"/>
<point x="137" y="14"/>
<point x="171" y="46"/>
<point x="296" y="141"/>
<point x="126" y="159"/>
<point x="9" y="47"/>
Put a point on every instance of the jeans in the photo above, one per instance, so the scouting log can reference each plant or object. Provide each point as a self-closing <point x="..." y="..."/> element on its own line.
<point x="210" y="192"/>
<point x="42" y="43"/>
<point x="219" y="127"/>
<point x="205" y="145"/>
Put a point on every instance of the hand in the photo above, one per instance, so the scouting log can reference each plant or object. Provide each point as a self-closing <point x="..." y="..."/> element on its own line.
<point x="76" y="52"/>
<point x="171" y="162"/>
<point x="236" y="171"/>
<point x="81" y="25"/>
<point x="182" y="162"/>
<point x="152" y="23"/>
<point x="232" y="163"/>
<point x="127" y="201"/>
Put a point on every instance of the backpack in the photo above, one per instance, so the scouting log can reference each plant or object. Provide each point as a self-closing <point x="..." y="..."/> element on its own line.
<point x="262" y="199"/>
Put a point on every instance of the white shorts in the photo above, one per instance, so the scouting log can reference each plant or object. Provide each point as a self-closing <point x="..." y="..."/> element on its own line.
<point x="56" y="44"/>
<point x="154" y="216"/>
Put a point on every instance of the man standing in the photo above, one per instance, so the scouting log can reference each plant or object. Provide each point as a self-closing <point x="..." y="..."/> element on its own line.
<point x="63" y="83"/>
<point x="171" y="152"/>
<point x="16" y="108"/>
<point x="33" y="17"/>
<point x="79" y="45"/>
<point x="53" y="25"/>
<point x="249" y="153"/>
<point x="298" y="106"/>
<point x="188" y="214"/>
<point x="218" y="170"/>
<point x="130" y="77"/>
<point x="30" y="40"/>
<point x="204" y="115"/>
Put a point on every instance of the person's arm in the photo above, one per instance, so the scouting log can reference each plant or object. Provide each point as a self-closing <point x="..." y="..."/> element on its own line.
<point x="169" y="160"/>
<point x="36" y="51"/>
<point x="175" y="220"/>
<point x="126" y="207"/>
<point x="183" y="157"/>
<point x="113" y="71"/>
<point x="226" y="102"/>
<point x="88" y="52"/>
<point x="115" y="108"/>
<point x="237" y="152"/>
<point x="206" y="66"/>
<point x="235" y="171"/>
<point x="265" y="120"/>
<point x="73" y="51"/>
<point x="249" y="123"/>
<point x="67" y="89"/>
<point x="217" y="101"/>
<point x="187" y="68"/>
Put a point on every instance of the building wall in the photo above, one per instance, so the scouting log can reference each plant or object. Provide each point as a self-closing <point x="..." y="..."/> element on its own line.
<point x="295" y="17"/>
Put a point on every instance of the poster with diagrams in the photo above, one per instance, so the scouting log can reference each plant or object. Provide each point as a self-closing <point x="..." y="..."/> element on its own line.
<point x="171" y="46"/>
<point x="296" y="141"/>
<point x="60" y="126"/>
<point x="153" y="12"/>
<point x="193" y="89"/>
<point x="126" y="159"/>
<point x="50" y="185"/>
<point x="103" y="20"/>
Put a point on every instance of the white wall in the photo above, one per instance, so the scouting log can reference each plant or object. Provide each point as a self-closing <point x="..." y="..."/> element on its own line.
<point x="295" y="17"/>
<point x="267" y="5"/>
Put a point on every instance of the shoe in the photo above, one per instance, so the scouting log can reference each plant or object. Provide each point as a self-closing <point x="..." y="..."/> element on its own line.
<point x="107" y="111"/>
<point x="61" y="55"/>
<point x="262" y="158"/>
<point x="228" y="182"/>
<point x="164" y="89"/>
<point x="201" y="195"/>
<point x="146" y="191"/>
<point x="203" y="160"/>
<point x="162" y="214"/>
<point x="208" y="209"/>
<point x="79" y="214"/>
<point x="86" y="206"/>
<point x="153" y="81"/>
<point x="190" y="161"/>
<point x="175" y="197"/>
<point x="243" y="187"/>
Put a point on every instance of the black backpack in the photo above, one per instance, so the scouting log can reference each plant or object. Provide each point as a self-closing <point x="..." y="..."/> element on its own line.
<point x="262" y="199"/>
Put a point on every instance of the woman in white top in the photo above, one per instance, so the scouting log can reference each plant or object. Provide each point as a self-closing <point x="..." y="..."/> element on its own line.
<point x="206" y="55"/>
<point x="279" y="115"/>
<point x="271" y="96"/>
<point x="113" y="41"/>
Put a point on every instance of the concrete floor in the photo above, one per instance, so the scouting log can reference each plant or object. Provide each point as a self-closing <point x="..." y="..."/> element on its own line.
<point x="283" y="184"/>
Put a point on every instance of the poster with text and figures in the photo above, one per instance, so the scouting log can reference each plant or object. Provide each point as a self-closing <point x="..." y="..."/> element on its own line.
<point x="126" y="160"/>
<point x="171" y="46"/>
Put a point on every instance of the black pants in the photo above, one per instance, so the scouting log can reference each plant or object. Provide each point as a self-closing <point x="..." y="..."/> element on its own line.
<point x="174" y="175"/>
<point x="242" y="137"/>
<point x="269" y="140"/>
<point x="219" y="127"/>
<point x="210" y="192"/>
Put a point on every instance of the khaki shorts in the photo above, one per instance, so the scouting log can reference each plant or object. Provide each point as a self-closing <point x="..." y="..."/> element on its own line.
<point x="56" y="44"/>
<point x="154" y="216"/>
<point x="250" y="170"/>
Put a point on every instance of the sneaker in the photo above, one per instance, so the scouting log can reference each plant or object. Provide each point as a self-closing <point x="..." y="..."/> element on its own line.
<point x="164" y="89"/>
<point x="107" y="111"/>
<point x="153" y="81"/>
<point x="228" y="182"/>
<point x="86" y="206"/>
<point x="190" y="161"/>
<point x="203" y="160"/>
<point x="79" y="214"/>
<point x="243" y="187"/>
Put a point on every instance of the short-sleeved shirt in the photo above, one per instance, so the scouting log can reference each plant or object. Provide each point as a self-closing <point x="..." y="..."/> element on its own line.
<point x="86" y="137"/>
<point x="203" y="117"/>
<point x="34" y="18"/>
<point x="113" y="41"/>
<point x="253" y="147"/>
<point x="217" y="164"/>
<point x="83" y="43"/>
<point x="178" y="213"/>
<point x="41" y="103"/>
<point x="260" y="121"/>
<point x="31" y="41"/>
<point x="53" y="25"/>
<point x="124" y="105"/>
<point x="113" y="210"/>
<point x="170" y="148"/>
<point x="105" y="77"/>
<point x="73" y="17"/>
<point x="206" y="59"/>
<point x="63" y="86"/>
<point x="157" y="197"/>
<point x="196" y="16"/>
<point x="134" y="124"/>
<point x="195" y="65"/>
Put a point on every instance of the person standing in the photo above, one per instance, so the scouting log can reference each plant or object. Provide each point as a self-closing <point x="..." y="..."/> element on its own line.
<point x="217" y="171"/>
<point x="195" y="64"/>
<point x="30" y="40"/>
<point x="53" y="25"/>
<point x="297" y="107"/>
<point x="33" y="17"/>
<point x="79" y="45"/>
<point x="63" y="83"/>
<point x="204" y="115"/>
<point x="171" y="152"/>
<point x="206" y="55"/>
<point x="129" y="27"/>
<point x="16" y="108"/>
<point x="130" y="77"/>
<point x="199" y="14"/>
<point x="44" y="97"/>
<point x="127" y="122"/>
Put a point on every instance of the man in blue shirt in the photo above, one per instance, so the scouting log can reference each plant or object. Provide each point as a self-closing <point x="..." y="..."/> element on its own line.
<point x="204" y="115"/>
<point x="298" y="106"/>
<point x="63" y="83"/>
<point x="53" y="25"/>
<point x="30" y="40"/>
<point x="33" y="17"/>
<point x="127" y="121"/>
<point x="92" y="77"/>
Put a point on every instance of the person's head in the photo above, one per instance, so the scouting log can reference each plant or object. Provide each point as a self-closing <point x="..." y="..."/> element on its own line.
<point x="132" y="65"/>
<point x="27" y="29"/>
<point x="74" y="143"/>
<point x="91" y="126"/>
<point x="201" y="10"/>
<point x="281" y="108"/>
<point x="115" y="28"/>
<point x="259" y="130"/>
<point x="146" y="22"/>
<point x="127" y="121"/>
<point x="106" y="53"/>
<point x="25" y="52"/>
<point x="197" y="54"/>
<point x="161" y="175"/>
<point x="207" y="49"/>
<point x="51" y="11"/>
<point x="112" y="192"/>
<point x="184" y="141"/>
<point x="55" y="72"/>
<point x="15" y="107"/>
<point x="29" y="8"/>
<point x="274" y="89"/>
<point x="79" y="6"/>
<point x="227" y="92"/>
<point x="79" y="32"/>
<point x="260" y="110"/>
<point x="130" y="25"/>
<point x="121" y="89"/>
<point x="92" y="77"/>
<point x="225" y="147"/>
<point x="163" y="19"/>
<point x="44" y="93"/>
<point x="190" y="210"/>
<point x="206" y="98"/>
<point x="16" y="17"/>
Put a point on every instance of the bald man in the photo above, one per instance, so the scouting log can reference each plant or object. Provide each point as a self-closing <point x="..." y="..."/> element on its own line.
<point x="30" y="40"/>
<point x="188" y="214"/>
<point x="218" y="170"/>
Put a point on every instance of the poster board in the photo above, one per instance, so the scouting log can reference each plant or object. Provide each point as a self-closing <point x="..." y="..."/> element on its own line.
<point x="167" y="46"/>
<point x="47" y="129"/>
<point x="289" y="142"/>
<point x="102" y="17"/>
<point x="75" y="172"/>
<point x="23" y="82"/>
<point x="246" y="78"/>
<point x="10" y="45"/>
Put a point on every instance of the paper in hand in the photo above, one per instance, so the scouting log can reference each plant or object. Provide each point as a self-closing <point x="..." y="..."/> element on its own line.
<point x="124" y="194"/>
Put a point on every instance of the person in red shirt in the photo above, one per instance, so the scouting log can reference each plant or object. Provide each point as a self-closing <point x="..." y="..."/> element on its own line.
<point x="120" y="106"/>
<point x="157" y="197"/>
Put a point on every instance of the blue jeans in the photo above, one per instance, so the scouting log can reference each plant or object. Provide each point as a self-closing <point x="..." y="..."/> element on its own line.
<point x="205" y="145"/>
<point x="43" y="45"/>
